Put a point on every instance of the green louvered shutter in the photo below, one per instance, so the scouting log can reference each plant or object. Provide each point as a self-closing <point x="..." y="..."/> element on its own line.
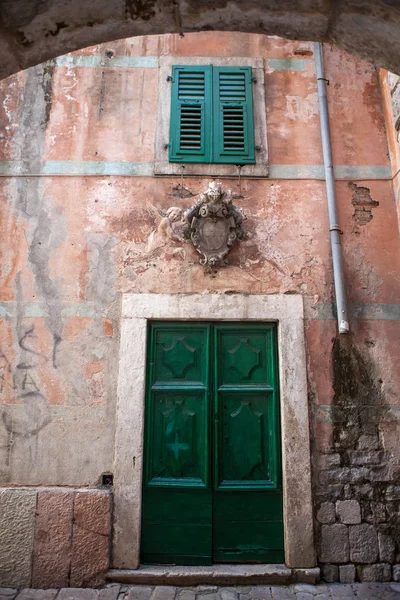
<point x="233" y="126"/>
<point x="191" y="107"/>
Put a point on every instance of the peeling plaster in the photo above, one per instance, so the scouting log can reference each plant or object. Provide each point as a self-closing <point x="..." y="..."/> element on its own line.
<point x="363" y="204"/>
<point x="302" y="108"/>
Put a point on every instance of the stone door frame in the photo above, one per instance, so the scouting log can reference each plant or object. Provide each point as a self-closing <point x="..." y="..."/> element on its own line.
<point x="287" y="312"/>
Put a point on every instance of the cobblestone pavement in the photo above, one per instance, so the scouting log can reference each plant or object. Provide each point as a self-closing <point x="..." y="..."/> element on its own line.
<point x="359" y="591"/>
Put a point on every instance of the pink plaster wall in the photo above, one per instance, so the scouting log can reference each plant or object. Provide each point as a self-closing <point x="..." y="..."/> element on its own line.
<point x="71" y="245"/>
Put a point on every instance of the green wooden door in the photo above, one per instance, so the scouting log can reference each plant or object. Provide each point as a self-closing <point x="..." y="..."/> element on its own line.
<point x="212" y="477"/>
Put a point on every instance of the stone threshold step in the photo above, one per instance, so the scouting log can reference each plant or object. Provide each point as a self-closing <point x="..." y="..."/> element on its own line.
<point x="214" y="575"/>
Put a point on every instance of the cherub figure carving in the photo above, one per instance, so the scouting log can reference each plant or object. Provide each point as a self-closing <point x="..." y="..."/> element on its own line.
<point x="166" y="228"/>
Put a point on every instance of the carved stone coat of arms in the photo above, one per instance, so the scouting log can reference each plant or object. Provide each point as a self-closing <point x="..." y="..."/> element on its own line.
<point x="213" y="225"/>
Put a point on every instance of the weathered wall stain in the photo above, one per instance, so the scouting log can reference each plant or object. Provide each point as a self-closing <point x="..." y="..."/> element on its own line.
<point x="44" y="233"/>
<point x="5" y="372"/>
<point x="350" y="27"/>
<point x="354" y="499"/>
<point x="356" y="393"/>
<point x="31" y="387"/>
<point x="45" y="227"/>
<point x="47" y="236"/>
<point x="102" y="273"/>
<point x="140" y="9"/>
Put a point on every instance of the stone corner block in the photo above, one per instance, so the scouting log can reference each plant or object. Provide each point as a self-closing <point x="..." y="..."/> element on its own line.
<point x="307" y="576"/>
<point x="330" y="573"/>
<point x="334" y="544"/>
<point x="90" y="554"/>
<point x="348" y="511"/>
<point x="90" y="558"/>
<point x="396" y="573"/>
<point x="326" y="513"/>
<point x="347" y="573"/>
<point x="17" y="526"/>
<point x="371" y="573"/>
<point x="363" y="543"/>
<point x="51" y="555"/>
<point x="387" y="548"/>
<point x="92" y="510"/>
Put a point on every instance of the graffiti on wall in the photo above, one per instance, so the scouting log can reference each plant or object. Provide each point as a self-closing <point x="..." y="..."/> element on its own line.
<point x="22" y="383"/>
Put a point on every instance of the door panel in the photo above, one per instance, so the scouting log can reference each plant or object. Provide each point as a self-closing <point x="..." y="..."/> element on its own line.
<point x="247" y="528"/>
<point x="243" y="440"/>
<point x="244" y="355"/>
<point x="179" y="438"/>
<point x="236" y="515"/>
<point x="180" y="354"/>
<point x="246" y="446"/>
<point x="176" y="526"/>
<point x="256" y="542"/>
<point x="259" y="510"/>
<point x="177" y="499"/>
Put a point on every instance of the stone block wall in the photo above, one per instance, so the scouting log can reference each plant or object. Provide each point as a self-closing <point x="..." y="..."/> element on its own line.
<point x="358" y="485"/>
<point x="54" y="537"/>
<point x="352" y="550"/>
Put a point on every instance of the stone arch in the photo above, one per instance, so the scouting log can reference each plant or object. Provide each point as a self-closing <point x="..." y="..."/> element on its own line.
<point x="33" y="31"/>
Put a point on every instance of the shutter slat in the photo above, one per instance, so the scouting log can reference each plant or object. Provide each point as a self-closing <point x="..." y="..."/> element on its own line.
<point x="191" y="85"/>
<point x="229" y="140"/>
<point x="232" y="87"/>
<point x="186" y="139"/>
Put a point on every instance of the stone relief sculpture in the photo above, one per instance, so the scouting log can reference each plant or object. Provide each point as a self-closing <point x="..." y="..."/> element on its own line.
<point x="213" y="225"/>
<point x="167" y="228"/>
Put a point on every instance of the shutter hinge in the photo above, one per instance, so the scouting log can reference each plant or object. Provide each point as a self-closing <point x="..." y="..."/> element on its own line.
<point x="254" y="79"/>
<point x="169" y="78"/>
<point x="257" y="148"/>
<point x="166" y="146"/>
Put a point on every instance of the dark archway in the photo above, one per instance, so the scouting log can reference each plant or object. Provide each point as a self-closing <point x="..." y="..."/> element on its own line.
<point x="32" y="31"/>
